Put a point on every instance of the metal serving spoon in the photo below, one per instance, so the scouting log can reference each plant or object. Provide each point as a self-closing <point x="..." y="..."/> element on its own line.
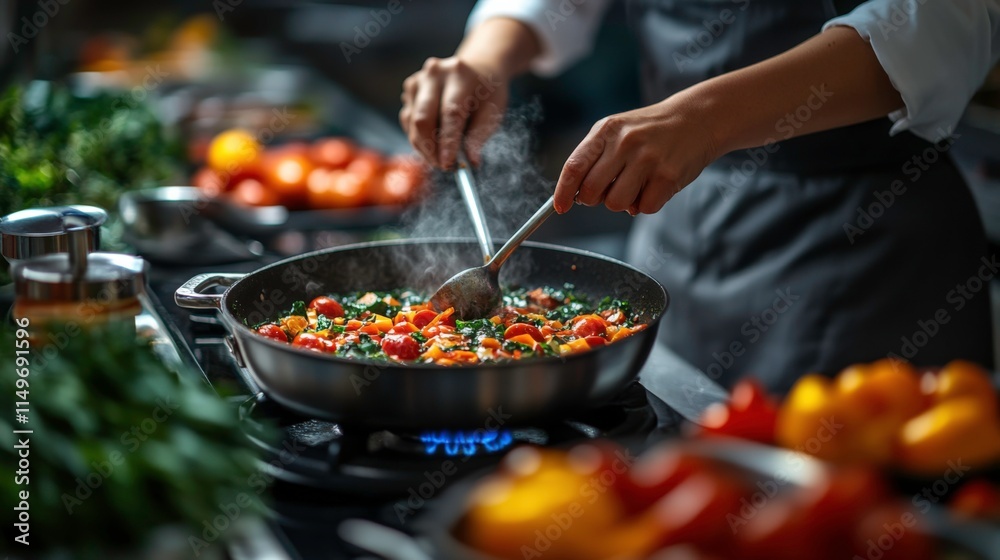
<point x="467" y="186"/>
<point x="476" y="292"/>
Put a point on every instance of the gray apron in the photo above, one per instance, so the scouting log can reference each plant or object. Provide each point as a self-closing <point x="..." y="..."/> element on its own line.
<point x="833" y="248"/>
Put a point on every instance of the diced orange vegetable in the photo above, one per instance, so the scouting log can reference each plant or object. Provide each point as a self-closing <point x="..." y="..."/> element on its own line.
<point x="524" y="339"/>
<point x="370" y="329"/>
<point x="441" y="317"/>
<point x="490" y="342"/>
<point x="621" y="333"/>
<point x="294" y="324"/>
<point x="463" y="356"/>
<point x="432" y="353"/>
<point x="399" y="318"/>
<point x="339" y="321"/>
<point x="578" y="345"/>
<point x="368" y="299"/>
<point x="496" y="320"/>
<point x="382" y="323"/>
<point x="354" y="325"/>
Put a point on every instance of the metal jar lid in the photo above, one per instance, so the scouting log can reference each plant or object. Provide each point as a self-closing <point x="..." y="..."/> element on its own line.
<point x="44" y="231"/>
<point x="107" y="278"/>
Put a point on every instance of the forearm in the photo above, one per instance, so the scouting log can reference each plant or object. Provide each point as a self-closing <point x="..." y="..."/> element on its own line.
<point x="500" y="45"/>
<point x="829" y="81"/>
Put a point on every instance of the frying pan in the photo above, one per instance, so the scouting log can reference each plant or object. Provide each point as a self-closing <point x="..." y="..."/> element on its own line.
<point x="389" y="395"/>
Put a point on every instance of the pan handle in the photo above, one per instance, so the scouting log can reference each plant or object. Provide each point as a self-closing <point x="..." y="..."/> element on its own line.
<point x="190" y="295"/>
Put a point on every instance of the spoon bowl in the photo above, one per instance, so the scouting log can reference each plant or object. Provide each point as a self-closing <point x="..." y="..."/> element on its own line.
<point x="475" y="292"/>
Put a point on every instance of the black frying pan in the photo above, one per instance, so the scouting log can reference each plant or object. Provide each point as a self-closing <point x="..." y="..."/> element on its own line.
<point x="389" y="395"/>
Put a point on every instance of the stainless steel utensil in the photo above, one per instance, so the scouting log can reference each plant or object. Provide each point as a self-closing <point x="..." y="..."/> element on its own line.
<point x="467" y="186"/>
<point x="46" y="231"/>
<point x="175" y="225"/>
<point x="475" y="292"/>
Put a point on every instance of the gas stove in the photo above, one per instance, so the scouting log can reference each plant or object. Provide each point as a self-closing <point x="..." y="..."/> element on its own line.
<point x="316" y="473"/>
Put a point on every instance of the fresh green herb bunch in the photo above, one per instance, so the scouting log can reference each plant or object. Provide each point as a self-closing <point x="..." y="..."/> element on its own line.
<point x="121" y="445"/>
<point x="58" y="149"/>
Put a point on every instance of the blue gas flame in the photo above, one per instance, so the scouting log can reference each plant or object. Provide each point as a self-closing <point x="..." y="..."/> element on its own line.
<point x="466" y="443"/>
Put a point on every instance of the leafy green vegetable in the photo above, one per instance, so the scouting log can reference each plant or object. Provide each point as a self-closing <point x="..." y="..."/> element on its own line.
<point x="354" y="309"/>
<point x="566" y="312"/>
<point x="157" y="447"/>
<point x="614" y="303"/>
<point x="529" y="320"/>
<point x="364" y="348"/>
<point x="298" y="308"/>
<point x="479" y="329"/>
<point x="57" y="149"/>
<point x="323" y="322"/>
<point x="515" y="297"/>
<point x="418" y="337"/>
<point x="567" y="294"/>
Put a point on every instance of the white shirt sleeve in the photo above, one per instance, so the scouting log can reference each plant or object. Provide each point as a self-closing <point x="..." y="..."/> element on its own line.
<point x="936" y="53"/>
<point x="565" y="28"/>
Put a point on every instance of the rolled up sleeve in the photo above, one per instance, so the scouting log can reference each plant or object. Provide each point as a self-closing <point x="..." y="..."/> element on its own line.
<point x="565" y="28"/>
<point x="936" y="53"/>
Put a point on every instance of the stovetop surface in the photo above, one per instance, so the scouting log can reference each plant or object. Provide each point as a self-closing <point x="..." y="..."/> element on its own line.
<point x="318" y="473"/>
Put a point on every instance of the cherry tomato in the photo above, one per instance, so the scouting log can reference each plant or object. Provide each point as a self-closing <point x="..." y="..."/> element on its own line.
<point x="595" y="341"/>
<point x="401" y="346"/>
<point x="327" y="306"/>
<point x="692" y="511"/>
<point x="251" y="192"/>
<point x="656" y="473"/>
<point x="891" y="533"/>
<point x="335" y="153"/>
<point x="313" y="342"/>
<point x="977" y="499"/>
<point x="403" y="328"/>
<point x="518" y="329"/>
<point x="421" y="318"/>
<point x="777" y="531"/>
<point x="399" y="184"/>
<point x="211" y="183"/>
<point x="286" y="172"/>
<point x="589" y="325"/>
<point x="273" y="331"/>
<point x="749" y="394"/>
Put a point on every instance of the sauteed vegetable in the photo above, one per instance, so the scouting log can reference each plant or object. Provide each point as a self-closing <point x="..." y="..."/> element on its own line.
<point x="401" y="326"/>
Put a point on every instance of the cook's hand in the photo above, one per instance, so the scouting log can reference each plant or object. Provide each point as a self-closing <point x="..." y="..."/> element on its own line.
<point x="448" y="103"/>
<point x="638" y="160"/>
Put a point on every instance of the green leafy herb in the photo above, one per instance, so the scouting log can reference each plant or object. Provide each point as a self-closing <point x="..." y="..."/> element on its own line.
<point x="323" y="322"/>
<point x="105" y="408"/>
<point x="418" y="337"/>
<point x="479" y="329"/>
<point x="364" y="348"/>
<point x="511" y="346"/>
<point x="298" y="308"/>
<point x="516" y="297"/>
<point x="529" y="320"/>
<point x="564" y="313"/>
<point x="58" y="149"/>
<point x="614" y="303"/>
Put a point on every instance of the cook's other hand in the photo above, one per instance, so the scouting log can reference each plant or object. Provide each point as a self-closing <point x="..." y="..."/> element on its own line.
<point x="459" y="101"/>
<point x="638" y="160"/>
